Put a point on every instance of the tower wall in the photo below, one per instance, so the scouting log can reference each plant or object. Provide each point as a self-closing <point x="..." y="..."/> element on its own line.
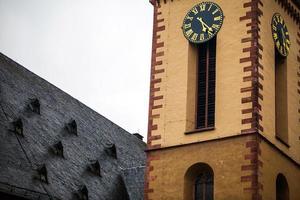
<point x="241" y="149"/>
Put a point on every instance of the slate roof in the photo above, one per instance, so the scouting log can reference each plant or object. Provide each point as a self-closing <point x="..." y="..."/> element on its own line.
<point x="133" y="183"/>
<point x="22" y="156"/>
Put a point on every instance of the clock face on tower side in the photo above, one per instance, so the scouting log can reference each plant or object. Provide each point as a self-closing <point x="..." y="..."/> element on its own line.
<point x="280" y="35"/>
<point x="202" y="22"/>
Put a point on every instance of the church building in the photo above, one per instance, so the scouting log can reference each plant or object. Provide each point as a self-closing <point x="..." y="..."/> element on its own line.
<point x="224" y="109"/>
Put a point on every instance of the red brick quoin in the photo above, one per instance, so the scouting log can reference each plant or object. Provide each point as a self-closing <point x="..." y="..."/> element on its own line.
<point x="252" y="67"/>
<point x="154" y="87"/>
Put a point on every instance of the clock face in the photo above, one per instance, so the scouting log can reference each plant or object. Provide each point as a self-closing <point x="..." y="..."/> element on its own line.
<point x="280" y="35"/>
<point x="202" y="22"/>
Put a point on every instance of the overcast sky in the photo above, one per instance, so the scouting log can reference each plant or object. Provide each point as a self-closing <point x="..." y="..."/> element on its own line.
<point x="97" y="51"/>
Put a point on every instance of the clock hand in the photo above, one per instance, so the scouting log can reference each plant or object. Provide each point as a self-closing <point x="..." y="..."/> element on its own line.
<point x="203" y="28"/>
<point x="203" y="23"/>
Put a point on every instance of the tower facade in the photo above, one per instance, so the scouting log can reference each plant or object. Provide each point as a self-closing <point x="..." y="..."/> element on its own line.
<point x="224" y="111"/>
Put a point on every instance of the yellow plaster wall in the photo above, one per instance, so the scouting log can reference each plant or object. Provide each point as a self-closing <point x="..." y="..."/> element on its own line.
<point x="225" y="157"/>
<point x="178" y="80"/>
<point x="268" y="61"/>
<point x="273" y="164"/>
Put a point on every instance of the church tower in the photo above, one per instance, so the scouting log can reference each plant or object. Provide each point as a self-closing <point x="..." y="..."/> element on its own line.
<point x="224" y="111"/>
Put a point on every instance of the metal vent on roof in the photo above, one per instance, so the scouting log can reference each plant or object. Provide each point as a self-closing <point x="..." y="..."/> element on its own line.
<point x="72" y="127"/>
<point x="58" y="149"/>
<point x="111" y="150"/>
<point x="18" y="126"/>
<point x="42" y="174"/>
<point x="94" y="167"/>
<point x="139" y="136"/>
<point x="82" y="193"/>
<point x="34" y="105"/>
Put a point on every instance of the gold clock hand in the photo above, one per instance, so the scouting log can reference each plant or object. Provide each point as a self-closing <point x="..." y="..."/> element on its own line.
<point x="203" y="28"/>
<point x="203" y="23"/>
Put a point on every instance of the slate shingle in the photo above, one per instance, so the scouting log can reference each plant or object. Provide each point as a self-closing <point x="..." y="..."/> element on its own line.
<point x="21" y="156"/>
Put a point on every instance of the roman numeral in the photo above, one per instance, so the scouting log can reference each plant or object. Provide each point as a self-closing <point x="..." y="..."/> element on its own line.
<point x="189" y="32"/>
<point x="287" y="48"/>
<point x="190" y="18"/>
<point x="210" y="34"/>
<point x="215" y="26"/>
<point x="278" y="44"/>
<point x="217" y="18"/>
<point x="275" y="36"/>
<point x="202" y="7"/>
<point x="215" y="11"/>
<point x="201" y="36"/>
<point x="195" y="11"/>
<point x="281" y="20"/>
<point x="209" y="7"/>
<point x="187" y="26"/>
<point x="277" y="18"/>
<point x="195" y="36"/>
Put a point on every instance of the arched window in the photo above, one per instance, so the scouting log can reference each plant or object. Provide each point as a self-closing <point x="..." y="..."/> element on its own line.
<point x="282" y="188"/>
<point x="199" y="182"/>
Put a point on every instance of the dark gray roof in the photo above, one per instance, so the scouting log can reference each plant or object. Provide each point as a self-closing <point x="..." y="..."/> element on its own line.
<point x="21" y="156"/>
<point x="133" y="182"/>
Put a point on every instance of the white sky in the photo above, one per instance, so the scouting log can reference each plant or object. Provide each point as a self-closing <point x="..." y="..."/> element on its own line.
<point x="97" y="51"/>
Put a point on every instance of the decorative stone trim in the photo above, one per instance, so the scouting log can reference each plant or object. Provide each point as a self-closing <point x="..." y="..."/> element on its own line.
<point x="155" y="82"/>
<point x="158" y="27"/>
<point x="253" y="66"/>
<point x="298" y="74"/>
<point x="253" y="76"/>
<point x="291" y="9"/>
<point x="148" y="177"/>
<point x="252" y="168"/>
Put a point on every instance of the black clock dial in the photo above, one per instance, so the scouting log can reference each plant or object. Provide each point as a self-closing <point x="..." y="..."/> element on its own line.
<point x="280" y="35"/>
<point x="202" y="22"/>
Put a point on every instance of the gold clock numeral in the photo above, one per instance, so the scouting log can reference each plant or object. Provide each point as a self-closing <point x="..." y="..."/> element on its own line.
<point x="278" y="18"/>
<point x="281" y="20"/>
<point x="189" y="32"/>
<point x="189" y="18"/>
<point x="195" y="36"/>
<point x="201" y="36"/>
<point x="282" y="49"/>
<point x="216" y="26"/>
<point x="195" y="11"/>
<point x="210" y="34"/>
<point x="275" y="36"/>
<point x="217" y="18"/>
<point x="287" y="48"/>
<point x="278" y="44"/>
<point x="274" y="27"/>
<point x="187" y="26"/>
<point x="215" y="11"/>
<point x="209" y="7"/>
<point x="288" y="41"/>
<point x="202" y="7"/>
